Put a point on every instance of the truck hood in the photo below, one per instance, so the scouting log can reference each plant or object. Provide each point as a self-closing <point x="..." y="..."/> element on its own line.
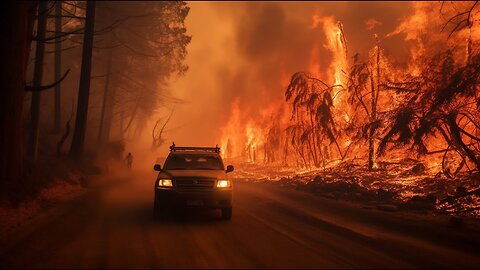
<point x="212" y="174"/>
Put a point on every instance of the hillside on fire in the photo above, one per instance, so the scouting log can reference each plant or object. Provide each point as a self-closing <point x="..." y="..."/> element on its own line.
<point x="276" y="134"/>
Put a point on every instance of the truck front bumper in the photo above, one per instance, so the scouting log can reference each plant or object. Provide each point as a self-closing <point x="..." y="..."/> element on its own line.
<point x="213" y="199"/>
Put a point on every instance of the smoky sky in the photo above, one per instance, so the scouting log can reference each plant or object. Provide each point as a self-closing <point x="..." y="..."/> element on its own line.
<point x="246" y="50"/>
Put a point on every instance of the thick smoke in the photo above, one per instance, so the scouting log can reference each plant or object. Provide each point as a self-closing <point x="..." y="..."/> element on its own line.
<point x="246" y="52"/>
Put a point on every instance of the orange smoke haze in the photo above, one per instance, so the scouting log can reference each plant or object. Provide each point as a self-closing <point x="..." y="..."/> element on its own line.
<point x="242" y="55"/>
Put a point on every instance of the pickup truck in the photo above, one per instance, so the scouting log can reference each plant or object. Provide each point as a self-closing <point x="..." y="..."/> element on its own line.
<point x="193" y="177"/>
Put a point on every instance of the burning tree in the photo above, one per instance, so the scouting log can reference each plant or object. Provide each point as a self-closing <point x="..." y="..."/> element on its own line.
<point x="365" y="85"/>
<point x="377" y="107"/>
<point x="378" y="110"/>
<point x="313" y="118"/>
<point x="443" y="101"/>
<point x="272" y="140"/>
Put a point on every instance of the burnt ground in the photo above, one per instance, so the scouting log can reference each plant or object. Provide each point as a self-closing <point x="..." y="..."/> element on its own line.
<point x="397" y="186"/>
<point x="273" y="226"/>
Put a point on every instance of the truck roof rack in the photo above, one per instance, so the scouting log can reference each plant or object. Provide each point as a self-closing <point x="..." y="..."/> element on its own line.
<point x="174" y="148"/>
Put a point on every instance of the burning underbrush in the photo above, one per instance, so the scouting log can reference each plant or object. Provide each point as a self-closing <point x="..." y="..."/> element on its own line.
<point x="402" y="185"/>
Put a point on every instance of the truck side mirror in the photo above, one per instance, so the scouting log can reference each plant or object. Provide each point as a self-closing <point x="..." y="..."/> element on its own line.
<point x="157" y="167"/>
<point x="229" y="168"/>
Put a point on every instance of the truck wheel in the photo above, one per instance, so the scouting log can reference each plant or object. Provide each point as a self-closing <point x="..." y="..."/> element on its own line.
<point x="155" y="211"/>
<point x="227" y="213"/>
<point x="158" y="212"/>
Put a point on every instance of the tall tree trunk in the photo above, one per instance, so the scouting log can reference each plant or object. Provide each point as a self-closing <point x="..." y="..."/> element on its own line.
<point x="373" y="115"/>
<point x="314" y="143"/>
<point x="101" y="133"/>
<point x="76" y="149"/>
<point x="58" y="67"/>
<point x="285" y="151"/>
<point x="16" y="27"/>
<point x="371" y="131"/>
<point x="134" y="113"/>
<point x="458" y="142"/>
<point x="32" y="148"/>
<point x="265" y="155"/>
<point x="109" y="108"/>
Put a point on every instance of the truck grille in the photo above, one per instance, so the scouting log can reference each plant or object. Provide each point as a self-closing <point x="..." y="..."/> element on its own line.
<point x="194" y="184"/>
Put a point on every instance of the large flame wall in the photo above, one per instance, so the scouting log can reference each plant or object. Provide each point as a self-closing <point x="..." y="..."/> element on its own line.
<point x="243" y="54"/>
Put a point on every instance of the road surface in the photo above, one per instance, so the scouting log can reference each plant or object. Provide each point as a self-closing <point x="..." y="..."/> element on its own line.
<point x="272" y="227"/>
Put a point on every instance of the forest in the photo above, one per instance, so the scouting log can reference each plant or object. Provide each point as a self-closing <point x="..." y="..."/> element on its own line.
<point x="78" y="78"/>
<point x="82" y="78"/>
<point x="239" y="134"/>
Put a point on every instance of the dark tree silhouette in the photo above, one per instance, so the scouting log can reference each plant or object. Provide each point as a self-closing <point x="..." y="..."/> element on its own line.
<point x="16" y="26"/>
<point x="37" y="81"/>
<point x="312" y="105"/>
<point x="77" y="146"/>
<point x="106" y="103"/>
<point x="58" y="68"/>
<point x="150" y="46"/>
<point x="364" y="88"/>
<point x="442" y="102"/>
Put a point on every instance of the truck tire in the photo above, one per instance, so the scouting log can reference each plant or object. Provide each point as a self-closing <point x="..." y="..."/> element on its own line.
<point x="158" y="211"/>
<point x="227" y="213"/>
<point x="155" y="210"/>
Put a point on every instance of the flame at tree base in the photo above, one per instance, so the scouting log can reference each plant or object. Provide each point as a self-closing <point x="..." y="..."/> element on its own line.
<point x="354" y="109"/>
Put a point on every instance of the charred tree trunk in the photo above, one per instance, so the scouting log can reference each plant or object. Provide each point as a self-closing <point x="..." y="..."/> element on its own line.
<point x="342" y="156"/>
<point x="16" y="26"/>
<point x="101" y="135"/>
<point x="458" y="142"/>
<point x="371" y="146"/>
<point x="109" y="108"/>
<point x="373" y="115"/>
<point x="265" y="155"/>
<point x="312" y="154"/>
<point x="58" y="67"/>
<point x="313" y="143"/>
<point x="121" y="120"/>
<point x="32" y="148"/>
<point x="76" y="149"/>
<point x="134" y="113"/>
<point x="67" y="131"/>
<point x="302" y="155"/>
<point x="285" y="151"/>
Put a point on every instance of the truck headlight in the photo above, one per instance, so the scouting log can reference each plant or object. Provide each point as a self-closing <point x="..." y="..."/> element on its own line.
<point x="223" y="183"/>
<point x="165" y="183"/>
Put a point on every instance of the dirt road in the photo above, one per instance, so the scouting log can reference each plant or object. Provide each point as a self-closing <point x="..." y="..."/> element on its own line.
<point x="274" y="227"/>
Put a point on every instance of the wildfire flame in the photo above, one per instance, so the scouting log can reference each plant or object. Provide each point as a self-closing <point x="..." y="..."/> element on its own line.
<point x="250" y="138"/>
<point x="336" y="43"/>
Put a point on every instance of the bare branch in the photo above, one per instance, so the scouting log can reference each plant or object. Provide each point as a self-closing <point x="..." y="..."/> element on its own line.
<point x="45" y="87"/>
<point x="63" y="49"/>
<point x="74" y="32"/>
<point x="67" y="16"/>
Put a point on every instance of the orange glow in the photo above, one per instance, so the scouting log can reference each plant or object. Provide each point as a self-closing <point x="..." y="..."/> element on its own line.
<point x="314" y="67"/>
<point x="257" y="107"/>
<point x="336" y="44"/>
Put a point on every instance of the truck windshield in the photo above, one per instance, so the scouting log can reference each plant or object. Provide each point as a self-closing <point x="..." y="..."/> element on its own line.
<point x="193" y="162"/>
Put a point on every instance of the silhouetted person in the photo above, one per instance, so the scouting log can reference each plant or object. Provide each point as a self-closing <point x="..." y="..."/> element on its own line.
<point x="129" y="160"/>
